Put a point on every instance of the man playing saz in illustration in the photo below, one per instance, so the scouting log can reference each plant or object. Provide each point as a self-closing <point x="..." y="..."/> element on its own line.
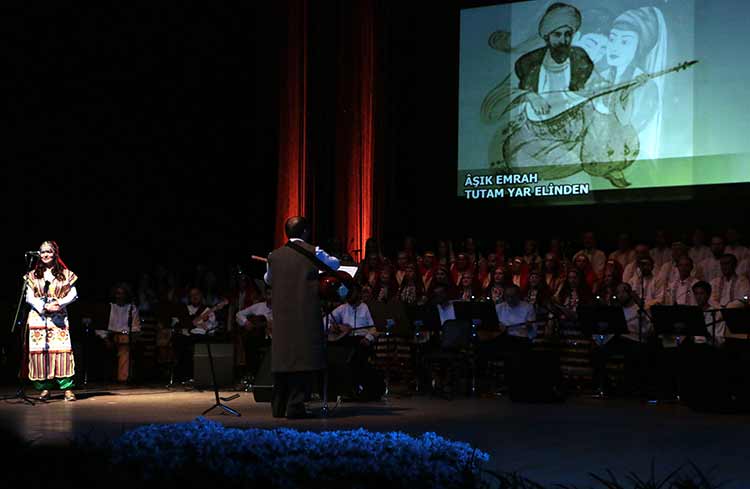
<point x="550" y="126"/>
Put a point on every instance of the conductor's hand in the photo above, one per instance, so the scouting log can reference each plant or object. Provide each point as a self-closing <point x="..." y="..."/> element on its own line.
<point x="365" y="341"/>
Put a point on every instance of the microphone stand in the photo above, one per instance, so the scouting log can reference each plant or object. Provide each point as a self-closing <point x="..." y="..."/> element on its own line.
<point x="640" y="301"/>
<point x="20" y="393"/>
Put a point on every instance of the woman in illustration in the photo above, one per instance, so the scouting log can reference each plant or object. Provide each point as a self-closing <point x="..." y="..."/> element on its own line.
<point x="637" y="46"/>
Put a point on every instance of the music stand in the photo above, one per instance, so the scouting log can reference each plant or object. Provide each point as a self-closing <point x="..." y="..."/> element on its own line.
<point x="426" y="321"/>
<point x="481" y="315"/>
<point x="165" y="311"/>
<point x="599" y="321"/>
<point x="678" y="320"/>
<point x="218" y="399"/>
<point x="737" y="320"/>
<point x="391" y="319"/>
<point x="91" y="315"/>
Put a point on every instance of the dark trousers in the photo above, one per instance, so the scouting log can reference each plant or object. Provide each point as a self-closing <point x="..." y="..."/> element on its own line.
<point x="289" y="392"/>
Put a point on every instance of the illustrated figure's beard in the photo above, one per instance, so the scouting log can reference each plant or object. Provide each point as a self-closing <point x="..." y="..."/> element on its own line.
<point x="560" y="53"/>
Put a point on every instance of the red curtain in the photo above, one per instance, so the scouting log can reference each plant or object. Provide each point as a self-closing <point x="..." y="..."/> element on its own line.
<point x="355" y="150"/>
<point x="292" y="188"/>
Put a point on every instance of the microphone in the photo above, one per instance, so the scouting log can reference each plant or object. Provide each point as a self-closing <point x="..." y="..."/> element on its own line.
<point x="32" y="253"/>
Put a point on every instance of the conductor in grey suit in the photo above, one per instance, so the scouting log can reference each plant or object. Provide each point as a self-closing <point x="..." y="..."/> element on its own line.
<point x="297" y="349"/>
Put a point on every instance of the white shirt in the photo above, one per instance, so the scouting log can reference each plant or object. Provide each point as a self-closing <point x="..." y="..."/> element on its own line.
<point x="680" y="292"/>
<point x="355" y="317"/>
<point x="258" y="309"/>
<point x="514" y="317"/>
<point x="724" y="291"/>
<point x="321" y="255"/>
<point x="446" y="312"/>
<point x="118" y="318"/>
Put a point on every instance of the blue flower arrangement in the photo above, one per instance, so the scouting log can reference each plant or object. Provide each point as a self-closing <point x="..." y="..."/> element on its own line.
<point x="290" y="459"/>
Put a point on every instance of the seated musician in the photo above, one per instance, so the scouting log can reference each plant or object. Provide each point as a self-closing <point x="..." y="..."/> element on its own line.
<point x="729" y="287"/>
<point x="538" y="294"/>
<point x="353" y="319"/>
<point x="123" y="321"/>
<point x="198" y="322"/>
<point x="631" y="344"/>
<point x="715" y="326"/>
<point x="517" y="327"/>
<point x="515" y="316"/>
<point x="255" y="331"/>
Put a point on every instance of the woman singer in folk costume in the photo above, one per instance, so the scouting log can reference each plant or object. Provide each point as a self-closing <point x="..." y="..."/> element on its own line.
<point x="50" y="289"/>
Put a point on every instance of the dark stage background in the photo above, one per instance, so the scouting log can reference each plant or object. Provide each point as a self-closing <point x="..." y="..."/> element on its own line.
<point x="145" y="135"/>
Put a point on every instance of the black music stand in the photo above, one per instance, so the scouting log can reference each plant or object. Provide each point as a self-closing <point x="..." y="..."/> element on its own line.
<point x="165" y="311"/>
<point x="679" y="320"/>
<point x="391" y="320"/>
<point x="426" y="321"/>
<point x="481" y="315"/>
<point x="598" y="322"/>
<point x="218" y="403"/>
<point x="737" y="320"/>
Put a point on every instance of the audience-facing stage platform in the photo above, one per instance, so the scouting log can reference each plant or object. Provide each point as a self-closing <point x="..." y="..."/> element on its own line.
<point x="545" y="442"/>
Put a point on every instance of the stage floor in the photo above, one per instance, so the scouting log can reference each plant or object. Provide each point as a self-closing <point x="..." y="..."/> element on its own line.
<point x="548" y="443"/>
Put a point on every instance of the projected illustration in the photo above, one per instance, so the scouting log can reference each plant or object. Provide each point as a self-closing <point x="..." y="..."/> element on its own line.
<point x="594" y="106"/>
<point x="594" y="97"/>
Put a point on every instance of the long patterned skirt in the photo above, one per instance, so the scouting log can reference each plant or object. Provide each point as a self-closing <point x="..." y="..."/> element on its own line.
<point x="50" y="350"/>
